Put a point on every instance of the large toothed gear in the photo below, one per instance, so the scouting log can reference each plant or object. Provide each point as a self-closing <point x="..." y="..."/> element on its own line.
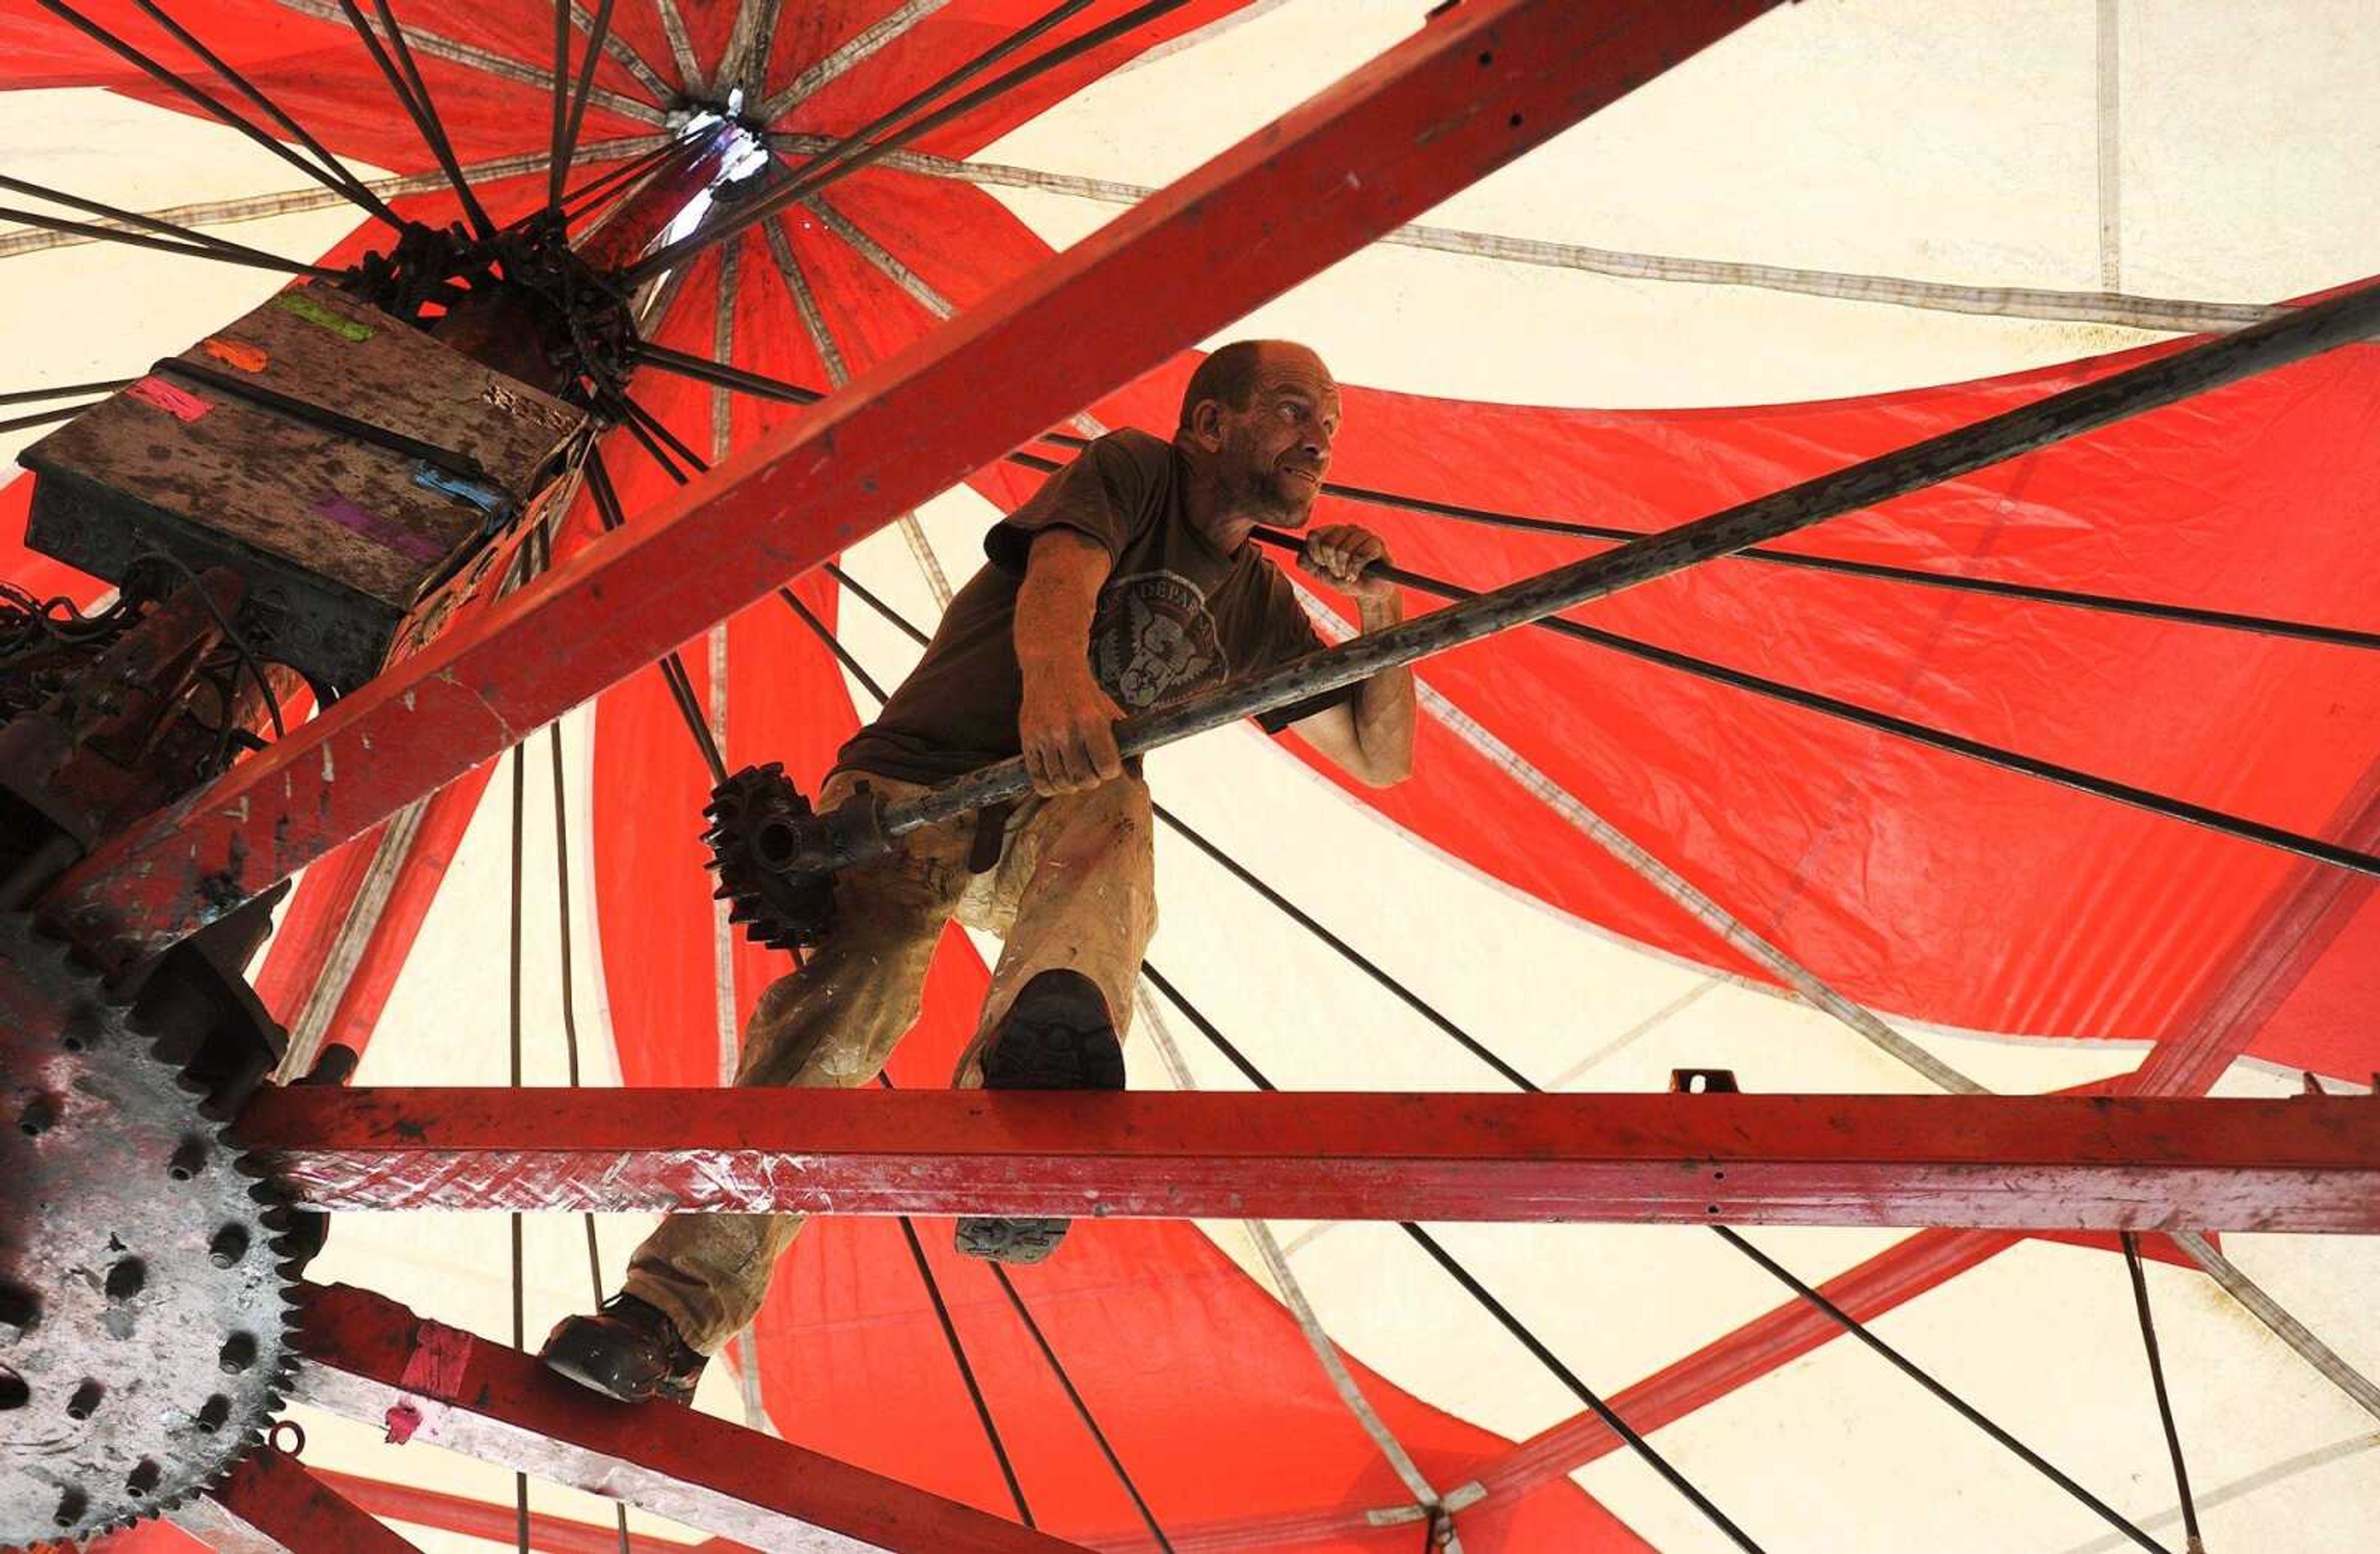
<point x="145" y="1300"/>
<point x="755" y="817"/>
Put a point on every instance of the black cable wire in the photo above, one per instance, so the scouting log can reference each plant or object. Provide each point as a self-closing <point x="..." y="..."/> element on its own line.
<point x="1902" y="1363"/>
<point x="1082" y="1408"/>
<point x="568" y="138"/>
<point x="152" y="224"/>
<point x="543" y="541"/>
<point x="673" y="672"/>
<point x="1479" y="1292"/>
<point x="105" y="385"/>
<point x="2186" y="615"/>
<point x="43" y="417"/>
<point x="807" y="183"/>
<point x="520" y="1310"/>
<point x="214" y="106"/>
<point x="959" y="1356"/>
<point x="2194" y="1544"/>
<point x="231" y="634"/>
<point x="356" y="188"/>
<point x="2202" y="815"/>
<point x="247" y="257"/>
<point x="424" y="116"/>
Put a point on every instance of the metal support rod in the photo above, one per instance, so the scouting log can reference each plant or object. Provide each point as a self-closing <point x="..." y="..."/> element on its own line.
<point x="2198" y="369"/>
<point x="2005" y="760"/>
<point x="213" y="106"/>
<point x="355" y="187"/>
<point x="1259" y="217"/>
<point x="164" y="228"/>
<point x="401" y="83"/>
<point x="2014" y="1162"/>
<point x="567" y="142"/>
<point x="228" y="254"/>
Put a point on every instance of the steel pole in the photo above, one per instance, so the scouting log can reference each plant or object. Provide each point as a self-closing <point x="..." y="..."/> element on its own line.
<point x="2259" y="348"/>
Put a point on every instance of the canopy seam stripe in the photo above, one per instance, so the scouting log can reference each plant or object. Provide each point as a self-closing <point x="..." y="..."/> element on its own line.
<point x="744" y="64"/>
<point x="478" y="58"/>
<point x="838" y="372"/>
<point x="691" y="80"/>
<point x="2109" y="307"/>
<point x="847" y="54"/>
<point x="624" y="52"/>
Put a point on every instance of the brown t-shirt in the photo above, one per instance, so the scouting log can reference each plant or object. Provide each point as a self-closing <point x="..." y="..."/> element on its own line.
<point x="1175" y="615"/>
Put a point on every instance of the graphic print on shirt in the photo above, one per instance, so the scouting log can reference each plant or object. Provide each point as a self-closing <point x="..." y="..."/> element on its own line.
<point x="1153" y="640"/>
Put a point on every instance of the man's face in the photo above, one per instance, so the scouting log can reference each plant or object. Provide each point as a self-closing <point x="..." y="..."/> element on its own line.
<point x="1275" y="453"/>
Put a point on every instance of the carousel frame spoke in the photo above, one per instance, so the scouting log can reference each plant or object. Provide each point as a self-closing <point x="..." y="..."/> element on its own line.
<point x="2004" y="1162"/>
<point x="372" y="1360"/>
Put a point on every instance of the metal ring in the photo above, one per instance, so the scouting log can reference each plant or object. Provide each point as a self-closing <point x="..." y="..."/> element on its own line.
<point x="297" y="1435"/>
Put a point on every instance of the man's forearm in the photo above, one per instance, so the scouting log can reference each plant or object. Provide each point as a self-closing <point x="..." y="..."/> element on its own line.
<point x="1384" y="704"/>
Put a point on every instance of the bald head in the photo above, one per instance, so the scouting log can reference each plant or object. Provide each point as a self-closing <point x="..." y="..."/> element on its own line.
<point x="1257" y="423"/>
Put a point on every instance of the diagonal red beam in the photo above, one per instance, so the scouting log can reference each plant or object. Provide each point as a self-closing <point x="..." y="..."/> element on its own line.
<point x="1479" y="84"/>
<point x="2013" y="1162"/>
<point x="270" y="1504"/>
<point x="369" y="1358"/>
<point x="548" y="1533"/>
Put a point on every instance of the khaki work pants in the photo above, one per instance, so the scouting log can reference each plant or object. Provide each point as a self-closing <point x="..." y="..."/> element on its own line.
<point x="1074" y="888"/>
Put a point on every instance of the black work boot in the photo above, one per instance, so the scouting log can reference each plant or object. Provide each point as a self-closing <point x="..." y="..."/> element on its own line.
<point x="628" y="1351"/>
<point x="1058" y="1034"/>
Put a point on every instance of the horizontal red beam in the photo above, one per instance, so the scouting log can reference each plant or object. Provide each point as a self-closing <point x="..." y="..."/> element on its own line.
<point x="2009" y="1162"/>
<point x="1478" y="85"/>
<point x="370" y="1359"/>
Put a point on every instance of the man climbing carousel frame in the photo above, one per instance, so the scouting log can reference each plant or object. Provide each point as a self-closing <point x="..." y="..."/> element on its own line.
<point x="1127" y="581"/>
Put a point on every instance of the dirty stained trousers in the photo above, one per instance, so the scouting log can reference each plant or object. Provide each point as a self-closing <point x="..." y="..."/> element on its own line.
<point x="1073" y="889"/>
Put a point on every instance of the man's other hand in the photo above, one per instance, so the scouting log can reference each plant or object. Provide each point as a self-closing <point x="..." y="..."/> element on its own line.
<point x="1067" y="728"/>
<point x="1338" y="554"/>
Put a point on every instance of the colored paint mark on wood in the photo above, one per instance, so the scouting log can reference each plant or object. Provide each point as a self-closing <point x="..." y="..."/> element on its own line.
<point x="180" y="403"/>
<point x="384" y="532"/>
<point x="313" y="312"/>
<point x="237" y="354"/>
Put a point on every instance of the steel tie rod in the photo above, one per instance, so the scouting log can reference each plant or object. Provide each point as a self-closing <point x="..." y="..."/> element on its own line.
<point x="2152" y="385"/>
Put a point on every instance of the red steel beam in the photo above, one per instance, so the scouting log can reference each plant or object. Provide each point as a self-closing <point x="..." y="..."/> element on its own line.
<point x="272" y="1505"/>
<point x="1478" y="85"/>
<point x="2005" y="1162"/>
<point x="548" y="1533"/>
<point x="370" y="1359"/>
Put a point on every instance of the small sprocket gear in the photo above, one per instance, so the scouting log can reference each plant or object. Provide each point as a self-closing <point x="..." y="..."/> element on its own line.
<point x="145" y="1295"/>
<point x="757" y="818"/>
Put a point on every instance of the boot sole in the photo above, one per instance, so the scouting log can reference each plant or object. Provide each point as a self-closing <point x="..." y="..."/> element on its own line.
<point x="580" y="1352"/>
<point x="1058" y="1036"/>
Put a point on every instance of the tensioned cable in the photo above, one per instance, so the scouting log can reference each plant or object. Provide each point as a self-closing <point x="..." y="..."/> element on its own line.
<point x="2185" y="614"/>
<point x="520" y="1314"/>
<point x="403" y="78"/>
<point x="1902" y="1363"/>
<point x="250" y="258"/>
<point x="565" y="128"/>
<point x="355" y="187"/>
<point x="2165" y="1404"/>
<point x="1082" y="1408"/>
<point x="201" y="239"/>
<point x="673" y="668"/>
<point x="543" y="540"/>
<point x="212" y="105"/>
<point x="1486" y="1300"/>
<point x="809" y="182"/>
